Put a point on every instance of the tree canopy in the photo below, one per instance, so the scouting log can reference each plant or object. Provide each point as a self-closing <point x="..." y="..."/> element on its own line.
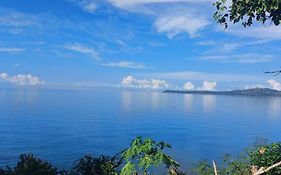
<point x="247" y="11"/>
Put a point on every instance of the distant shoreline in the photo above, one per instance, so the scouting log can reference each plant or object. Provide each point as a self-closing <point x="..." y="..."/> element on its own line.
<point x="256" y="92"/>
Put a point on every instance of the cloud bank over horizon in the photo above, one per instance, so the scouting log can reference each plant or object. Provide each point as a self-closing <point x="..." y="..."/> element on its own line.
<point x="21" y="79"/>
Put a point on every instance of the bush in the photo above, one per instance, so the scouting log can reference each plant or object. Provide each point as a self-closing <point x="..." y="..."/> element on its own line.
<point x="263" y="155"/>
<point x="104" y="165"/>
<point x="267" y="155"/>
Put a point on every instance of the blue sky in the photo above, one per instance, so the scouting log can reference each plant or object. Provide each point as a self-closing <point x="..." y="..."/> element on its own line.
<point x="151" y="44"/>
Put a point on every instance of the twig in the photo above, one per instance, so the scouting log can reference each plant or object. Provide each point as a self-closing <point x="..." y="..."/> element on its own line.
<point x="215" y="168"/>
<point x="273" y="72"/>
<point x="262" y="170"/>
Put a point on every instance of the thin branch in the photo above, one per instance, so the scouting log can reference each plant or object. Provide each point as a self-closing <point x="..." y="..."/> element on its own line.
<point x="262" y="170"/>
<point x="215" y="168"/>
<point x="273" y="72"/>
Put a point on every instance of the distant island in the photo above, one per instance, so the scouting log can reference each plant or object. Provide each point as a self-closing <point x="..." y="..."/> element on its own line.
<point x="257" y="92"/>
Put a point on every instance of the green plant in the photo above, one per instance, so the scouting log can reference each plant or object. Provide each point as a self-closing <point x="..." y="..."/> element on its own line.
<point x="246" y="11"/>
<point x="267" y="155"/>
<point x="103" y="165"/>
<point x="145" y="154"/>
<point x="30" y="165"/>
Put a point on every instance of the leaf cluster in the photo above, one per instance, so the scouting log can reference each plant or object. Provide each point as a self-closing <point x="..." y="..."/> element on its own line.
<point x="145" y="154"/>
<point x="246" y="11"/>
<point x="267" y="155"/>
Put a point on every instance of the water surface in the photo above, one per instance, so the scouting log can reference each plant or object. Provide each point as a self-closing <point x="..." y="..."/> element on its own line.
<point x="63" y="125"/>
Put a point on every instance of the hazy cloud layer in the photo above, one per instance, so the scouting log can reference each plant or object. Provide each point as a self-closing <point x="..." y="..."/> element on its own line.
<point x="77" y="47"/>
<point x="125" y="64"/>
<point x="11" y="49"/>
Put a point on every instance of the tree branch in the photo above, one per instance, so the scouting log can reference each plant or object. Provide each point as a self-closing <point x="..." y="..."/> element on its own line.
<point x="273" y="72"/>
<point x="262" y="170"/>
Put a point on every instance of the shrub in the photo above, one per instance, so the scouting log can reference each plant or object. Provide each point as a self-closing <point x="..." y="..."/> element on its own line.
<point x="267" y="155"/>
<point x="103" y="165"/>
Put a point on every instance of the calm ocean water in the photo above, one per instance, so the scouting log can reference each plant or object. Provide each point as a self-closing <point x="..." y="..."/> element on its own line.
<point x="63" y="125"/>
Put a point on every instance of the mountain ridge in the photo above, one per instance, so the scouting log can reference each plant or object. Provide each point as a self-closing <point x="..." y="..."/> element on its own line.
<point x="244" y="92"/>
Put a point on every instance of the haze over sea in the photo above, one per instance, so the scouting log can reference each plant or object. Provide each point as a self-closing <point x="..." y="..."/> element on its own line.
<point x="62" y="125"/>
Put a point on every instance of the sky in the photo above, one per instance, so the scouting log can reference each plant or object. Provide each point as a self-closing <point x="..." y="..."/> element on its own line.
<point x="145" y="44"/>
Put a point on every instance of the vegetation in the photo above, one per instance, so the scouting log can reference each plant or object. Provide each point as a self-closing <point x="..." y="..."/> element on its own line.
<point x="246" y="11"/>
<point x="145" y="155"/>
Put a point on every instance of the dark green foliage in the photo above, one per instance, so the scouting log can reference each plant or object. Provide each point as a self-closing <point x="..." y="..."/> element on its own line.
<point x="204" y="168"/>
<point x="89" y="165"/>
<point x="267" y="155"/>
<point x="145" y="154"/>
<point x="29" y="165"/>
<point x="229" y="167"/>
<point x="246" y="11"/>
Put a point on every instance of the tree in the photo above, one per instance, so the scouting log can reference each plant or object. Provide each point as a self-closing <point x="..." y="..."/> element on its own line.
<point x="247" y="11"/>
<point x="103" y="165"/>
<point x="145" y="154"/>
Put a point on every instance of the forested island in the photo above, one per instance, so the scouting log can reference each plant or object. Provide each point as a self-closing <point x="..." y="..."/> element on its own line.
<point x="257" y="92"/>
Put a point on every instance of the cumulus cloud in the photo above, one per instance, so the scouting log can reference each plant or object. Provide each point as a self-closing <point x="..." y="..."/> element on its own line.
<point x="188" y="86"/>
<point x="132" y="82"/>
<point x="83" y="49"/>
<point x="274" y="84"/>
<point x="208" y="86"/>
<point x="125" y="64"/>
<point x="21" y="79"/>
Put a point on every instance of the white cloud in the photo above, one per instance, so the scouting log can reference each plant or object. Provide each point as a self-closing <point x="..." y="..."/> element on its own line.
<point x="87" y="5"/>
<point x="208" y="86"/>
<point x="174" y="25"/>
<point x="132" y="82"/>
<point x="228" y="47"/>
<point x="172" y="17"/>
<point x="125" y="64"/>
<point x="188" y="86"/>
<point x="21" y="79"/>
<point x="11" y="49"/>
<point x="84" y="50"/>
<point x="241" y="58"/>
<point x="274" y="84"/>
<point x="15" y="19"/>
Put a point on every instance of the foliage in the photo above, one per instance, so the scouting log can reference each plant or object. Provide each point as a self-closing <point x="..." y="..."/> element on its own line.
<point x="145" y="154"/>
<point x="267" y="155"/>
<point x="88" y="165"/>
<point x="262" y="155"/>
<point x="230" y="167"/>
<point x="29" y="165"/>
<point x="246" y="11"/>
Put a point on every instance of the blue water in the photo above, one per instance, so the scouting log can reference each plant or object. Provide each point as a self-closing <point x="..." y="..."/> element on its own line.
<point x="63" y="125"/>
